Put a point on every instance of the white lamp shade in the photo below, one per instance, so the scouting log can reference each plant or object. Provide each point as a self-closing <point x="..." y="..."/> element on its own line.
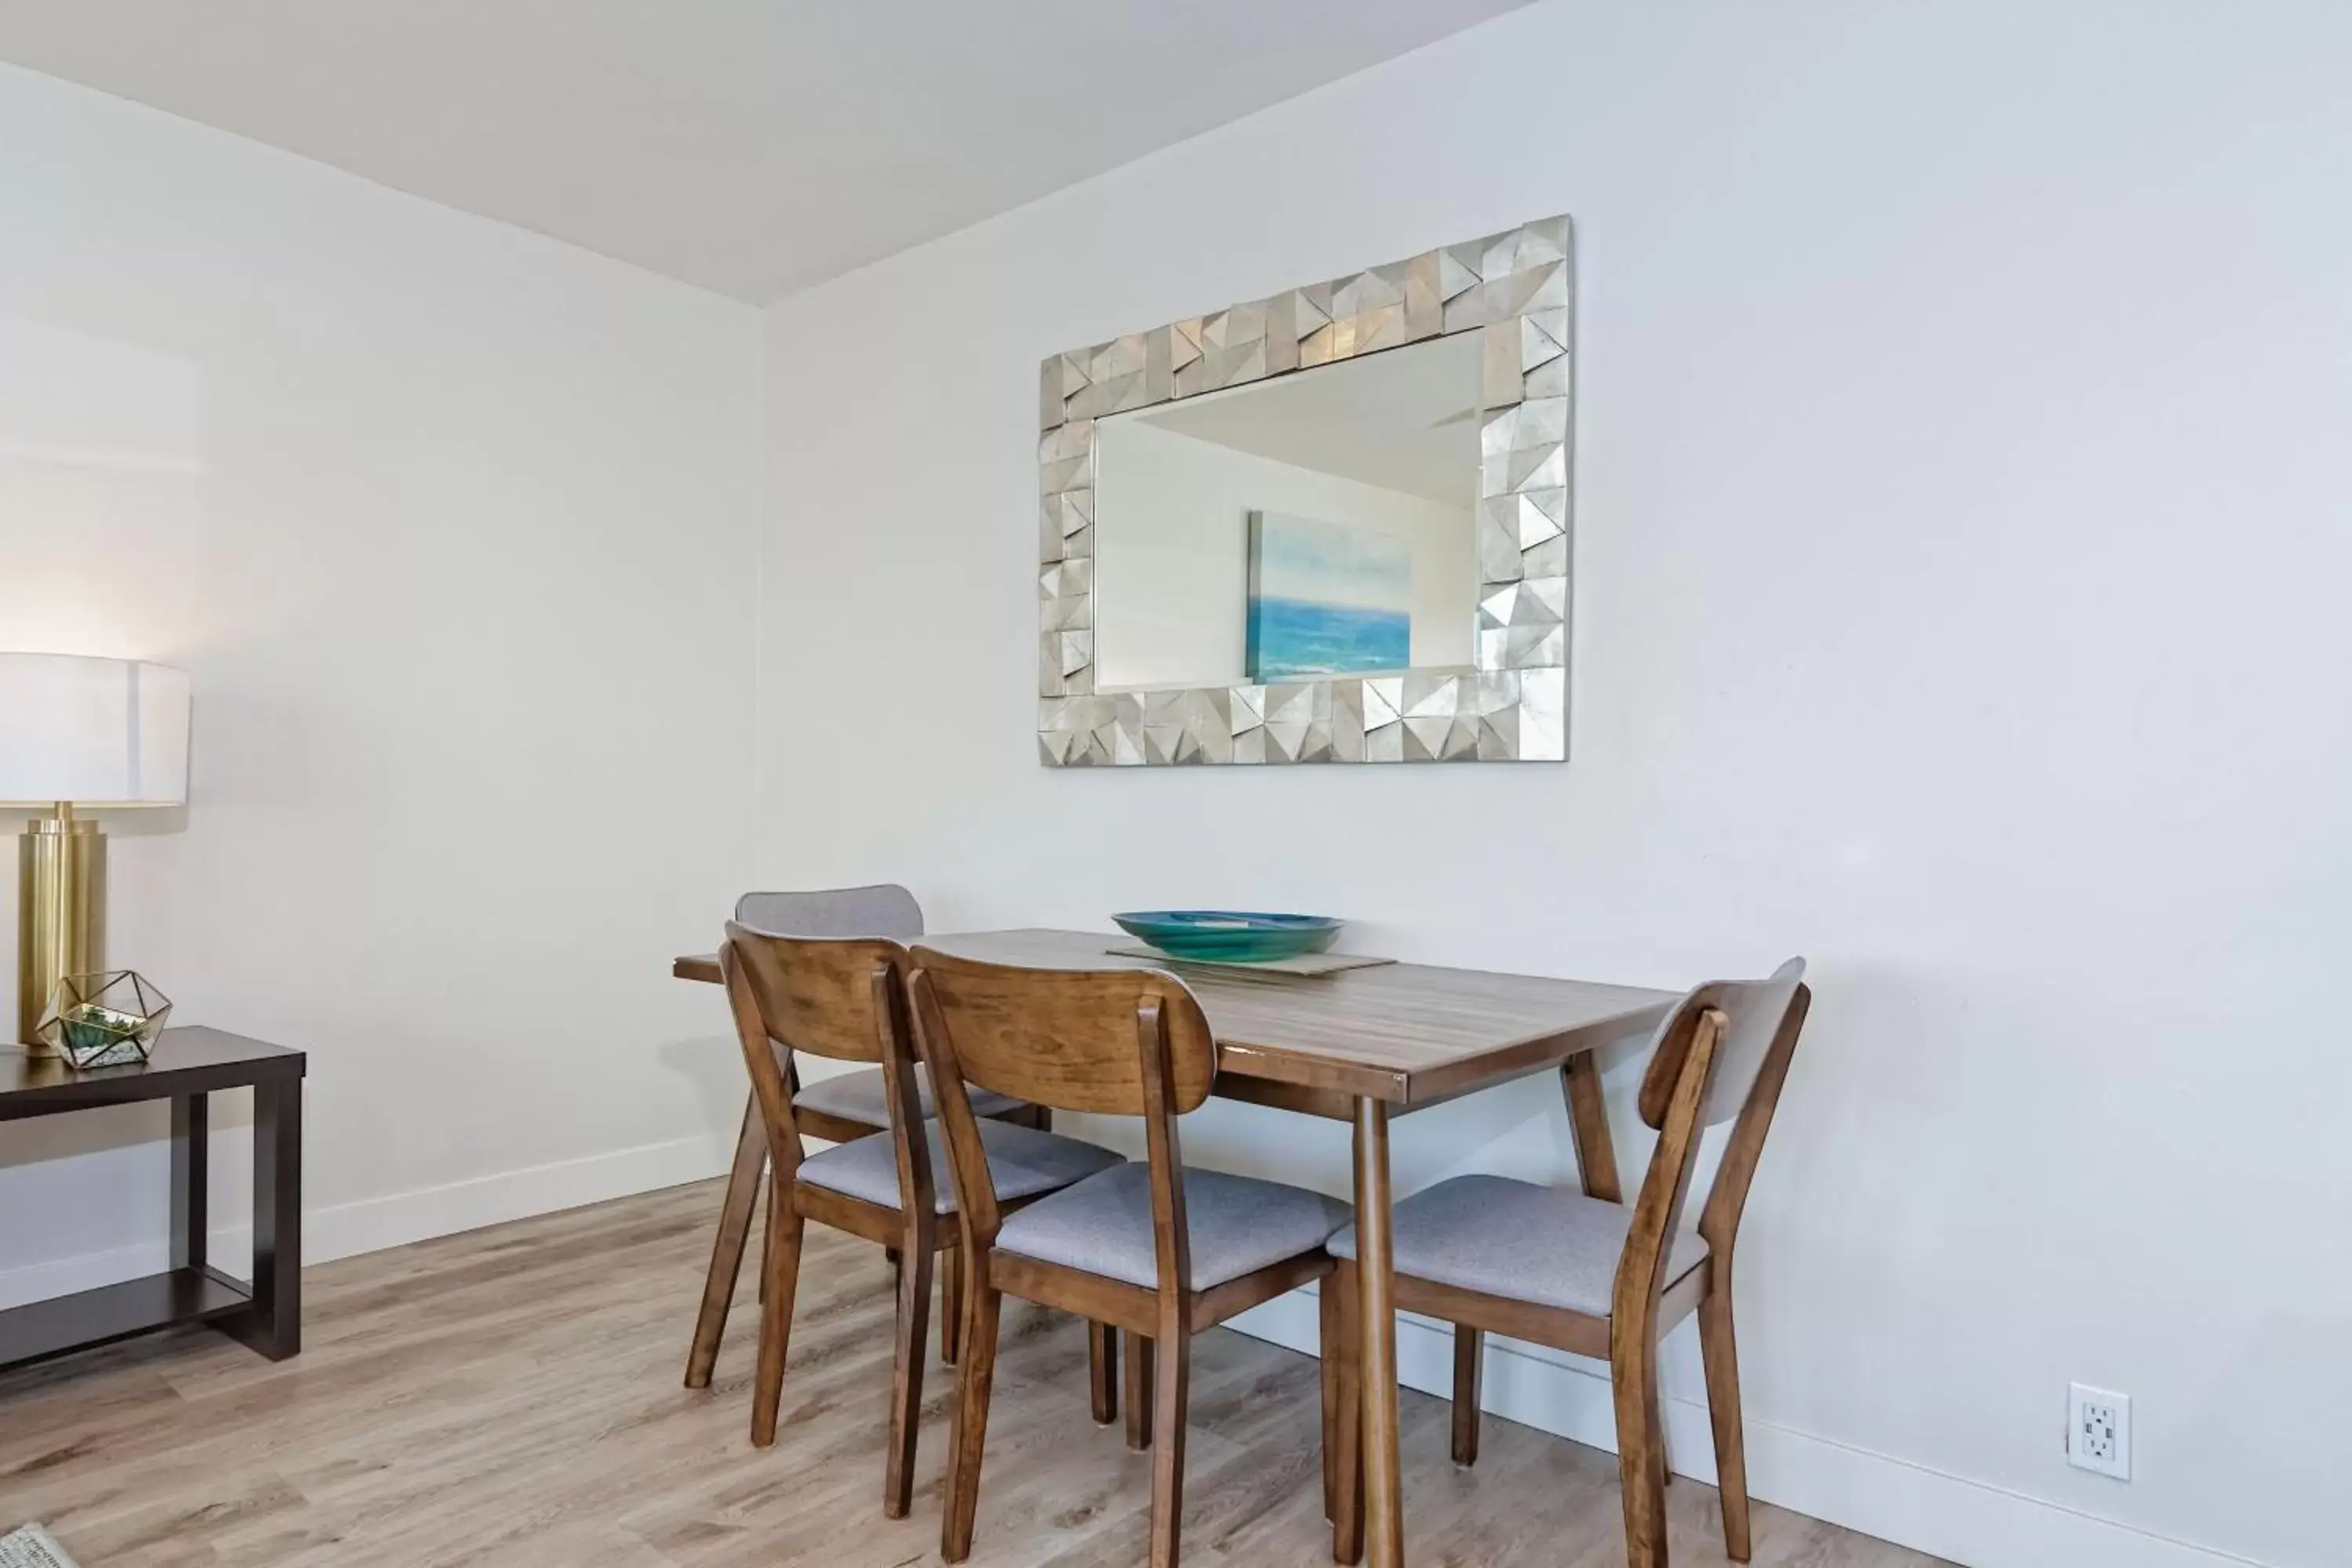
<point x="92" y="731"/>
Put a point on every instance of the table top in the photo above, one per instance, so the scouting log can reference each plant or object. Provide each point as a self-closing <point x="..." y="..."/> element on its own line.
<point x="1409" y="1034"/>
<point x="186" y="1061"/>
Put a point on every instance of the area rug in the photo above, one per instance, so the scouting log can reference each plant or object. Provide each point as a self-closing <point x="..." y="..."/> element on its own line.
<point x="33" y="1547"/>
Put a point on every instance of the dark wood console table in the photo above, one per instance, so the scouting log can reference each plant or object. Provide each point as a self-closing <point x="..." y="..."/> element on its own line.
<point x="187" y="1066"/>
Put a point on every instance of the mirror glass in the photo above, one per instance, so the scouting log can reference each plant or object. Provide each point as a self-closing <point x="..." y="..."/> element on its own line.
<point x="1313" y="524"/>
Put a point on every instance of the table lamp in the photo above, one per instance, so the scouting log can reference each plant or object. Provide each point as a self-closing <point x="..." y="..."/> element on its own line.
<point x="79" y="733"/>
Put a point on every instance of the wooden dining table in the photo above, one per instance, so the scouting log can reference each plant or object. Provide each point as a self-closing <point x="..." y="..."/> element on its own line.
<point x="1360" y="1045"/>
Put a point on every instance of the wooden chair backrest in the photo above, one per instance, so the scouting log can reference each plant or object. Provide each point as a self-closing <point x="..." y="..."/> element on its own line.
<point x="1755" y="1011"/>
<point x="815" y="994"/>
<point x="821" y="1005"/>
<point x="1116" y="1042"/>
<point x="1722" y="1054"/>
<point x="1066" y="1037"/>
<point x="841" y="997"/>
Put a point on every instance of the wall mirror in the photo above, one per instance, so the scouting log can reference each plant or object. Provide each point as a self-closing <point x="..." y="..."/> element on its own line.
<point x="1329" y="526"/>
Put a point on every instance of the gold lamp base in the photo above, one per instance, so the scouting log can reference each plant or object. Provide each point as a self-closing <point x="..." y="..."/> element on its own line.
<point x="60" y="913"/>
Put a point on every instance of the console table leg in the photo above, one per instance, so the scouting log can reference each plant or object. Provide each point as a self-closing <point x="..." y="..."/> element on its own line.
<point x="274" y="1325"/>
<point x="191" y="1179"/>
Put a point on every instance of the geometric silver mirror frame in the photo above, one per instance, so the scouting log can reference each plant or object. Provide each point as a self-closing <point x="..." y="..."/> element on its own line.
<point x="1515" y="289"/>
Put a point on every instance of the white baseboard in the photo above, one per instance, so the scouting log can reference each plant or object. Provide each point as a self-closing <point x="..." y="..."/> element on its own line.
<point x="368" y="1224"/>
<point x="371" y="1225"/>
<point x="1892" y="1499"/>
<point x="86" y="1271"/>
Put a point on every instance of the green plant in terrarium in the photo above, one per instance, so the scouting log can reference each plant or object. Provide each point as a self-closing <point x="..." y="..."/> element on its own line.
<point x="90" y="1028"/>
<point x="104" y="1020"/>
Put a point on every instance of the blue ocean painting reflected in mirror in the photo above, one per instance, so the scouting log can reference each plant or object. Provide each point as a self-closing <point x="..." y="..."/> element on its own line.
<point x="1326" y="598"/>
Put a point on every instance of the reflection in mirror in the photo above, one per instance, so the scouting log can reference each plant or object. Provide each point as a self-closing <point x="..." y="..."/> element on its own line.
<point x="1315" y="523"/>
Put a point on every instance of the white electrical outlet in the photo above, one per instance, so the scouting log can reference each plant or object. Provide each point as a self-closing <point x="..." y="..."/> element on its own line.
<point x="2098" y="1431"/>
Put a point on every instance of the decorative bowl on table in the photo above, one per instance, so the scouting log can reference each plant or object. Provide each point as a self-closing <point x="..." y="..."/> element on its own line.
<point x="1230" y="936"/>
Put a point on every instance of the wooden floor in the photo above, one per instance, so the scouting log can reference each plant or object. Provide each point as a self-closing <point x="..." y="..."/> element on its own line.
<point x="512" y="1396"/>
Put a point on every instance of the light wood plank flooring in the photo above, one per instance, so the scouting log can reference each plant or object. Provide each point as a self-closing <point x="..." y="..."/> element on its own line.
<point x="512" y="1396"/>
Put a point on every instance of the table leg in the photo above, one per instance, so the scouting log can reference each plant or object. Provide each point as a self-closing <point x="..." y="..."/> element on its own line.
<point x="191" y="1179"/>
<point x="1375" y="1343"/>
<point x="273" y="1325"/>
<point x="1588" y="1121"/>
<point x="726" y="1249"/>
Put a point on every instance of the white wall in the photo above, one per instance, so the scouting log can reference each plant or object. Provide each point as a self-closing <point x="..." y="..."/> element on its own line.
<point x="452" y="526"/>
<point x="1963" y="488"/>
<point x="1171" y="555"/>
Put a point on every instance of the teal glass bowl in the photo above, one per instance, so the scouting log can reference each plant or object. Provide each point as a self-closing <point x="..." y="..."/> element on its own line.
<point x="1230" y="936"/>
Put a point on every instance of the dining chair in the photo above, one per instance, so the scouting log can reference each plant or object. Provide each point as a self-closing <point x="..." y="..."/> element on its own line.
<point x="1595" y="1279"/>
<point x="839" y="1109"/>
<point x="844" y="998"/>
<point x="1156" y="1249"/>
<point x="851" y="1104"/>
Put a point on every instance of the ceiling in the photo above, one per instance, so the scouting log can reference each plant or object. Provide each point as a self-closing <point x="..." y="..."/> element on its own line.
<point x="752" y="147"/>
<point x="1406" y="419"/>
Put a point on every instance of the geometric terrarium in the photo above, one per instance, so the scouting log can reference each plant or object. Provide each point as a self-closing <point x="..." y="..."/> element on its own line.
<point x="103" y="1020"/>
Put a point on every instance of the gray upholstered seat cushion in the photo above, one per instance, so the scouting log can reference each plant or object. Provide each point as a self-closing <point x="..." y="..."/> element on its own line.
<point x="1023" y="1161"/>
<point x="1237" y="1224"/>
<point x="859" y="1097"/>
<point x="1552" y="1246"/>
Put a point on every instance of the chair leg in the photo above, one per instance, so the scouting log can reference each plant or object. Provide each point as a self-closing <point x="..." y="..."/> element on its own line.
<point x="907" y="1378"/>
<point x="1722" y="1356"/>
<point x="1102" y="1371"/>
<point x="735" y="1213"/>
<point x="1173" y="1351"/>
<point x="1344" y="1438"/>
<point x="1666" y="1448"/>
<point x="1469" y="1363"/>
<point x="951" y="1312"/>
<point x="975" y="1376"/>
<point x="782" y="1273"/>
<point x="1139" y="1352"/>
<point x="1640" y="1464"/>
<point x="767" y="1240"/>
<point x="1328" y="1336"/>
